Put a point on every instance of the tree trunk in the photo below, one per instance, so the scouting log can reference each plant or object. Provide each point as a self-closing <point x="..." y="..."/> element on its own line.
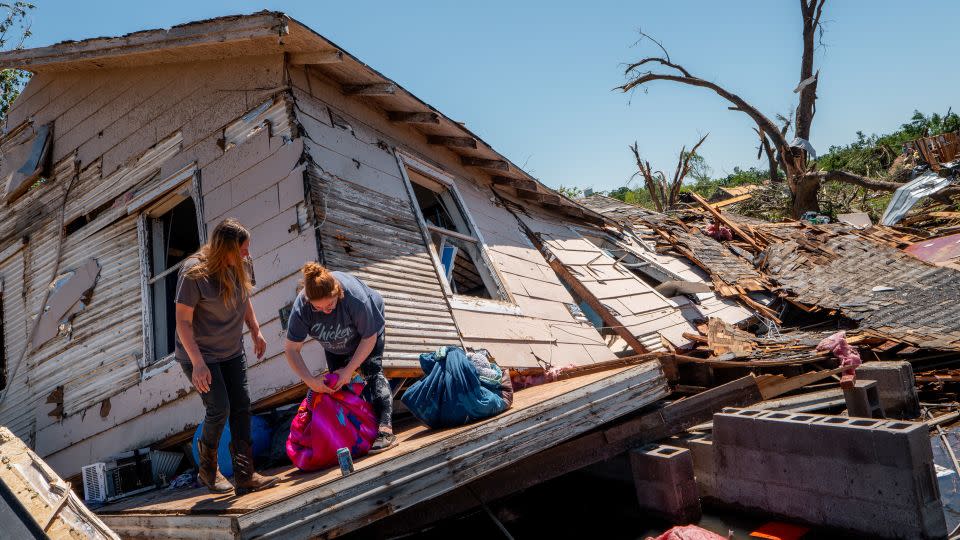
<point x="805" y="189"/>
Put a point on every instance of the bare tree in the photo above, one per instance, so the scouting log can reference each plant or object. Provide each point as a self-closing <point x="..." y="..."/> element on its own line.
<point x="663" y="193"/>
<point x="800" y="172"/>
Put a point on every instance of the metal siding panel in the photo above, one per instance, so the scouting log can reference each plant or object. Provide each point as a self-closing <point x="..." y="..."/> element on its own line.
<point x="377" y="237"/>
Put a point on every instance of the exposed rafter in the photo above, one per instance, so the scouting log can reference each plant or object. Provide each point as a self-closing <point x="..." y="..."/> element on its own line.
<point x="318" y="57"/>
<point x="375" y="89"/>
<point x="520" y="183"/>
<point x="495" y="164"/>
<point x="453" y="142"/>
<point x="414" y="117"/>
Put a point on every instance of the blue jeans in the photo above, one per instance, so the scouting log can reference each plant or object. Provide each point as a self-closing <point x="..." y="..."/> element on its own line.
<point x="228" y="399"/>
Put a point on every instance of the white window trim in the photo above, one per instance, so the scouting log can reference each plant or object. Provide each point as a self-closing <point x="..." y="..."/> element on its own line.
<point x="184" y="183"/>
<point x="468" y="303"/>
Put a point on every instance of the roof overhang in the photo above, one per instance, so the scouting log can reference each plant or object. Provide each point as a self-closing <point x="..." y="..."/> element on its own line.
<point x="271" y="32"/>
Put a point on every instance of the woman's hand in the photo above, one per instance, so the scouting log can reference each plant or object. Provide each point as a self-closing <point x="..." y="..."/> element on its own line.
<point x="316" y="384"/>
<point x="201" y="378"/>
<point x="259" y="344"/>
<point x="343" y="377"/>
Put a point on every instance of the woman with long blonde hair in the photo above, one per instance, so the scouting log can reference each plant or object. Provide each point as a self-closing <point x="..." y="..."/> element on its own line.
<point x="213" y="302"/>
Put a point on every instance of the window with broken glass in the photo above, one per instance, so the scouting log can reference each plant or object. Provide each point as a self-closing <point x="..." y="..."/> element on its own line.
<point x="170" y="233"/>
<point x="463" y="262"/>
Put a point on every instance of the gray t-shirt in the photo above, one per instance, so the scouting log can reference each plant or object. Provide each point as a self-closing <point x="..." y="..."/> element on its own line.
<point x="217" y="328"/>
<point x="358" y="315"/>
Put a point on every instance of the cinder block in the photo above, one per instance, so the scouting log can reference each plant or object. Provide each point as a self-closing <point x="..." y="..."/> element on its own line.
<point x="665" y="482"/>
<point x="896" y="387"/>
<point x="867" y="475"/>
<point x="863" y="400"/>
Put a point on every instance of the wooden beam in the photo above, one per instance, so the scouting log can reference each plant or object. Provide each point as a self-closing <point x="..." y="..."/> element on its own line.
<point x="453" y="142"/>
<point x="608" y="441"/>
<point x="731" y="225"/>
<point x="731" y="200"/>
<point x="414" y="117"/>
<point x="520" y="183"/>
<point x="316" y="57"/>
<point x="375" y="89"/>
<point x="548" y="199"/>
<point x="496" y="164"/>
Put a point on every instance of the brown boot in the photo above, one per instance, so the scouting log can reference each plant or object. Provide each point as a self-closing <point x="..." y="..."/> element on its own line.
<point x="245" y="478"/>
<point x="209" y="475"/>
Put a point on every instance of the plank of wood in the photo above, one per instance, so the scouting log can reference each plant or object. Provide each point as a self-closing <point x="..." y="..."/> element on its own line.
<point x="483" y="163"/>
<point x="452" y="142"/>
<point x="374" y="89"/>
<point x="317" y="57"/>
<point x="413" y="117"/>
<point x="731" y="200"/>
<point x="719" y="217"/>
<point x="772" y="386"/>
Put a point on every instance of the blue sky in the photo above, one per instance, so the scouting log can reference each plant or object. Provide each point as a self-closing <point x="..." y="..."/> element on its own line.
<point x="534" y="78"/>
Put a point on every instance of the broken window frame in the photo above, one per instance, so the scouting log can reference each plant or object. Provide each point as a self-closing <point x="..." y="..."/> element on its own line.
<point x="502" y="300"/>
<point x="153" y="204"/>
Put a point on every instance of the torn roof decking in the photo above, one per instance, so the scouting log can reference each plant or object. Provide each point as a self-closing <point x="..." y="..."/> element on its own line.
<point x="270" y="32"/>
<point x="830" y="267"/>
<point x="889" y="292"/>
<point x="426" y="464"/>
<point x="735" y="275"/>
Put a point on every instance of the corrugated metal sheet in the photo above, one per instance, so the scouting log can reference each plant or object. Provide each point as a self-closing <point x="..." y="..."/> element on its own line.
<point x="16" y="411"/>
<point x="99" y="358"/>
<point x="377" y="238"/>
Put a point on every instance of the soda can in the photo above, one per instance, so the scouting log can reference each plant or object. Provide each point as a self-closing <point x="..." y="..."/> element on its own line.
<point x="345" y="460"/>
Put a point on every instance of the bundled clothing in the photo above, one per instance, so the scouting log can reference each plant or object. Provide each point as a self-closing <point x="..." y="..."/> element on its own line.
<point x="457" y="389"/>
<point x="327" y="422"/>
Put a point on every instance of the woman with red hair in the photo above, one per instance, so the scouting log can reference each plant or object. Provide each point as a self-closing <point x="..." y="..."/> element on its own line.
<point x="346" y="317"/>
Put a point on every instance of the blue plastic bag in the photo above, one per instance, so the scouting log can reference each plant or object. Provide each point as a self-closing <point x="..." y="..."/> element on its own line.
<point x="451" y="394"/>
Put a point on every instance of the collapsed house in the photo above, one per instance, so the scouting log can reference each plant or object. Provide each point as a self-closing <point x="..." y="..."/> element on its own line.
<point x="122" y="153"/>
<point x="120" y="156"/>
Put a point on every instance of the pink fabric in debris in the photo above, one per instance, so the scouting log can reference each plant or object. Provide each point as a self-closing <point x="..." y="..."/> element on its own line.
<point x="526" y="381"/>
<point x="719" y="232"/>
<point x="327" y="422"/>
<point x="688" y="532"/>
<point x="837" y="344"/>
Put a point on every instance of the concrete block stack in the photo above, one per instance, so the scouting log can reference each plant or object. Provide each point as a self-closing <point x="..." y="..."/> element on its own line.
<point x="665" y="484"/>
<point x="874" y="477"/>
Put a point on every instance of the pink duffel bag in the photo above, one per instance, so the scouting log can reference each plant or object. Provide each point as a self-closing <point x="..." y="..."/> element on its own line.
<point x="327" y="422"/>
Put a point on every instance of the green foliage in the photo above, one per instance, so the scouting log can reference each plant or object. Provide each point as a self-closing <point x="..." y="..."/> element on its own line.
<point x="14" y="29"/>
<point x="874" y="155"/>
<point x="572" y="192"/>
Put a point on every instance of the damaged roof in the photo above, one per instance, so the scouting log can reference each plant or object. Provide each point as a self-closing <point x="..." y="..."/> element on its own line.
<point x="859" y="274"/>
<point x="273" y="32"/>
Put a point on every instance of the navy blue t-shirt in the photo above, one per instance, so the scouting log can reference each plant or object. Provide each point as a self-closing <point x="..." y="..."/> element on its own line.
<point x="358" y="315"/>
